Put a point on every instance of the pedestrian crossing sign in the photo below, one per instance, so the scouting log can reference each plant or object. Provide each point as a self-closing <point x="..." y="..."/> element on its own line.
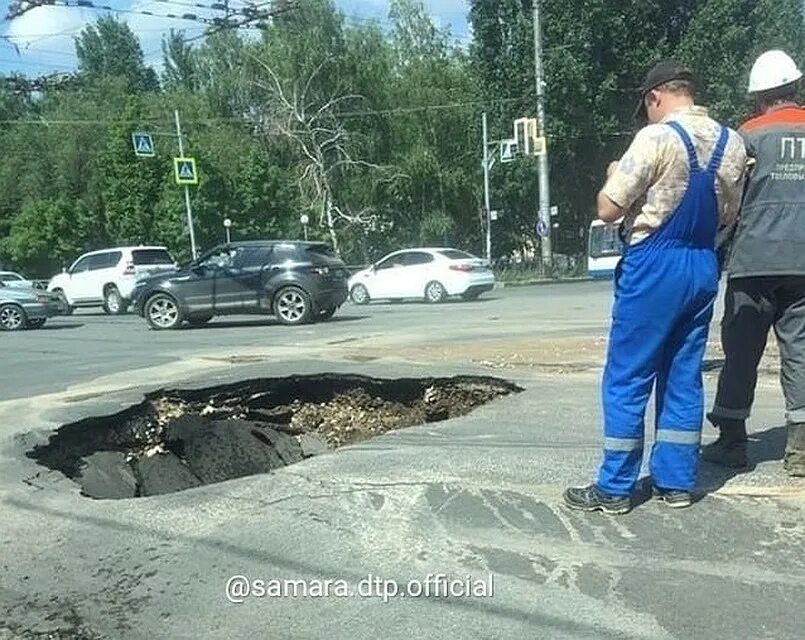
<point x="143" y="144"/>
<point x="185" y="170"/>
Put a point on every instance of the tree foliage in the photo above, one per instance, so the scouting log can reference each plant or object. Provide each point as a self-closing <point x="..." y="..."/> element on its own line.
<point x="371" y="129"/>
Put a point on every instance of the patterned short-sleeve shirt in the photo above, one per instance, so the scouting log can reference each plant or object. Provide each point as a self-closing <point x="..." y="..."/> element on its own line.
<point x="652" y="176"/>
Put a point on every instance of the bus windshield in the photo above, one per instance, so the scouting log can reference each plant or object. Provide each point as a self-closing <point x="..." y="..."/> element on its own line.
<point x="604" y="241"/>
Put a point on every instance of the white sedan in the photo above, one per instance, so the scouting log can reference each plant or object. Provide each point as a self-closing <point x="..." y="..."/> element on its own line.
<point x="429" y="273"/>
<point x="12" y="279"/>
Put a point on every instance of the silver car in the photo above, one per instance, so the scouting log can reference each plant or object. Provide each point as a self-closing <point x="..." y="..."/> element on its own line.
<point x="24" y="308"/>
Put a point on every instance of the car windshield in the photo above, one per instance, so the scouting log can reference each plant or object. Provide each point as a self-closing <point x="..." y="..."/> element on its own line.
<point x="8" y="276"/>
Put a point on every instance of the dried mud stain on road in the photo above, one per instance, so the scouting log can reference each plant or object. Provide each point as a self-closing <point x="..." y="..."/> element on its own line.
<point x="558" y="355"/>
<point x="555" y="355"/>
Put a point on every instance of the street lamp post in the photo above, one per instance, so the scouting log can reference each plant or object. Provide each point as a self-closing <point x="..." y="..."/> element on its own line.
<point x="227" y="226"/>
<point x="544" y="185"/>
<point x="487" y="206"/>
<point x="305" y="220"/>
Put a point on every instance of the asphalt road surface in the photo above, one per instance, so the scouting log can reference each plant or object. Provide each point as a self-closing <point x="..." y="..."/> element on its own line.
<point x="90" y="344"/>
<point x="475" y="498"/>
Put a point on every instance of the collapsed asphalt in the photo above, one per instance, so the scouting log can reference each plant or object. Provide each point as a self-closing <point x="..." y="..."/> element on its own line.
<point x="179" y="439"/>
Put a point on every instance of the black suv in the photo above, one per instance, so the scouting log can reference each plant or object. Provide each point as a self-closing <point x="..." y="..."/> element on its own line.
<point x="297" y="282"/>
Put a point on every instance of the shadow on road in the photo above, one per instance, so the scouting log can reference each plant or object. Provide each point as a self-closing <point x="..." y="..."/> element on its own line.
<point x="267" y="322"/>
<point x="57" y="327"/>
<point x="712" y="364"/>
<point x="80" y="313"/>
<point x="462" y="301"/>
<point x="423" y="303"/>
<point x="764" y="446"/>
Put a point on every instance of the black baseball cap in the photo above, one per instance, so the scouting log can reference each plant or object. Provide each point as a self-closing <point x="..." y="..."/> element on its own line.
<point x="660" y="73"/>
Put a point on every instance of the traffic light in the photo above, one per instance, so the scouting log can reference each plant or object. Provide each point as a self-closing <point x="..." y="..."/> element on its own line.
<point x="525" y="135"/>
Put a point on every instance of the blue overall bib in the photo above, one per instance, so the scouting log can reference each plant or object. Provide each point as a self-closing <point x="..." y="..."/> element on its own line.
<point x="665" y="288"/>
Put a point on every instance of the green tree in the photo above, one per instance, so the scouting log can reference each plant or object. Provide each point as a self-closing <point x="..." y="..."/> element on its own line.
<point x="47" y="235"/>
<point x="437" y="150"/>
<point x="109" y="49"/>
<point x="375" y="131"/>
<point x="723" y="39"/>
<point x="181" y="63"/>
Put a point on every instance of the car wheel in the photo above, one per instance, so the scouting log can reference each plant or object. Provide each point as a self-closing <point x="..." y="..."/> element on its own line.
<point x="64" y="303"/>
<point x="359" y="294"/>
<point x="292" y="306"/>
<point x="113" y="302"/>
<point x="12" y="318"/>
<point x="162" y="312"/>
<point x="435" y="292"/>
<point x="326" y="314"/>
<point x="199" y="321"/>
<point x="37" y="324"/>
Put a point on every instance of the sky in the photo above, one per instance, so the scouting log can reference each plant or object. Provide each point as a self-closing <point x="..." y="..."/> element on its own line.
<point x="41" y="41"/>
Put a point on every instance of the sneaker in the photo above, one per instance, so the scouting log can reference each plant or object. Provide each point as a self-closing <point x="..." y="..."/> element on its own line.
<point x="727" y="451"/>
<point x="673" y="498"/>
<point x="591" y="498"/>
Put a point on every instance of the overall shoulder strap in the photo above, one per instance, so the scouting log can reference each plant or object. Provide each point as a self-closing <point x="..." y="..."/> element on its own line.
<point x="718" y="154"/>
<point x="692" y="159"/>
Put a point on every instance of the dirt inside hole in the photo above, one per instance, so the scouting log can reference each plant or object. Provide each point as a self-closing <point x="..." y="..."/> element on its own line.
<point x="178" y="439"/>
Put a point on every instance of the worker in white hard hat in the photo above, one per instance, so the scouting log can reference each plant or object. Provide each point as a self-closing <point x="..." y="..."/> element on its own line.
<point x="766" y="268"/>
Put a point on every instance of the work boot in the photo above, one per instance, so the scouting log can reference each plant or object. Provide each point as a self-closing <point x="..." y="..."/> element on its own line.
<point x="674" y="498"/>
<point x="729" y="450"/>
<point x="794" y="461"/>
<point x="591" y="498"/>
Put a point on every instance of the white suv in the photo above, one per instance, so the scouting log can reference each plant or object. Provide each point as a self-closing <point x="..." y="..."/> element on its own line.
<point x="107" y="278"/>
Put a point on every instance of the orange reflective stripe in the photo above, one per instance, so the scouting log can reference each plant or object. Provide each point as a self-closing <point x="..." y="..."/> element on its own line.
<point x="786" y="116"/>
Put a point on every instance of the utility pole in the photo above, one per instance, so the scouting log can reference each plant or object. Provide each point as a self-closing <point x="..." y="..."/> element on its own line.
<point x="186" y="190"/>
<point x="544" y="188"/>
<point x="487" y="208"/>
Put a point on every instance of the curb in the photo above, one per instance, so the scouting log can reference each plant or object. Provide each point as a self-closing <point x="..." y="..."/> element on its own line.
<point x="529" y="283"/>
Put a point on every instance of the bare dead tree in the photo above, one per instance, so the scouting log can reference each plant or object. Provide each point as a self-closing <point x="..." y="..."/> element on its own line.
<point x="326" y="147"/>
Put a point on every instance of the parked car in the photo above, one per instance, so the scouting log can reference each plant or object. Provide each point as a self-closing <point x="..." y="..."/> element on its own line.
<point x="106" y="278"/>
<point x="25" y="307"/>
<point x="296" y="281"/>
<point x="429" y="273"/>
<point x="13" y="279"/>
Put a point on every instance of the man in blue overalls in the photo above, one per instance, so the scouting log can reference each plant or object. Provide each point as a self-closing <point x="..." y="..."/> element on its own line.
<point x="680" y="179"/>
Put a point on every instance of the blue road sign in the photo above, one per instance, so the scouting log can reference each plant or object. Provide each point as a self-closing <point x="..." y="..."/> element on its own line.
<point x="542" y="228"/>
<point x="143" y="144"/>
<point x="185" y="171"/>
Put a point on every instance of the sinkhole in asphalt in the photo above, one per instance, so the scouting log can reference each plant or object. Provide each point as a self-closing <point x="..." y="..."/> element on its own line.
<point x="178" y="439"/>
